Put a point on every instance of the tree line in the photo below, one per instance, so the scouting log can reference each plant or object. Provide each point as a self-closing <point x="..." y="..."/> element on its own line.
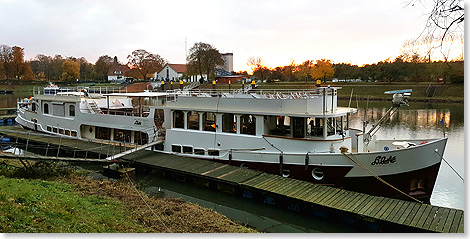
<point x="202" y="59"/>
<point x="401" y="69"/>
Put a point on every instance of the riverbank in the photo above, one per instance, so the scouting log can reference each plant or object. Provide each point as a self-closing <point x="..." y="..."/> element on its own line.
<point x="60" y="200"/>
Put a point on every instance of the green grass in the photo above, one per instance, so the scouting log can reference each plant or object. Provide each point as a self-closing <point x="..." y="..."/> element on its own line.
<point x="48" y="206"/>
<point x="56" y="199"/>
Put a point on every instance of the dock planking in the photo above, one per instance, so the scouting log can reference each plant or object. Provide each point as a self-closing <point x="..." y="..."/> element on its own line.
<point x="405" y="213"/>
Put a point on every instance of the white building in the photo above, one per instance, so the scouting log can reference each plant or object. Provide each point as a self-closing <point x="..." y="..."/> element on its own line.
<point x="228" y="59"/>
<point x="175" y="72"/>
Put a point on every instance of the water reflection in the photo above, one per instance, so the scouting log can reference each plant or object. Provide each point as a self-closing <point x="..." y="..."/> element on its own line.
<point x="423" y="121"/>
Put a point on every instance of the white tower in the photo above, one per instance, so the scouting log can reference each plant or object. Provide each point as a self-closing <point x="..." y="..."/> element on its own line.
<point x="228" y="59"/>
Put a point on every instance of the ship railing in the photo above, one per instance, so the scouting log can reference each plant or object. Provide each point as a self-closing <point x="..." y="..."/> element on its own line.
<point x="254" y="93"/>
<point x="95" y="90"/>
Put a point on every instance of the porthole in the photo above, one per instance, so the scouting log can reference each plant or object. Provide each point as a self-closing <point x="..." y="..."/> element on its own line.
<point x="91" y="130"/>
<point x="285" y="173"/>
<point x="318" y="174"/>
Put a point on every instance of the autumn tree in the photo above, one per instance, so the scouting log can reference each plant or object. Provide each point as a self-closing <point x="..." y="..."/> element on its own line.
<point x="71" y="70"/>
<point x="86" y="69"/>
<point x="305" y="70"/>
<point x="42" y="67"/>
<point x="203" y="58"/>
<point x="323" y="69"/>
<point x="102" y="66"/>
<point x="145" y="62"/>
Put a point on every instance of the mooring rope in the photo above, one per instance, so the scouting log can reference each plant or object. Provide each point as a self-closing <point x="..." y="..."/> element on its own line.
<point x="143" y="199"/>
<point x="449" y="165"/>
<point x="378" y="177"/>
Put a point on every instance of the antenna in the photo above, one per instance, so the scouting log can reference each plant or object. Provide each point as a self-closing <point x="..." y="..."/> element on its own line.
<point x="185" y="48"/>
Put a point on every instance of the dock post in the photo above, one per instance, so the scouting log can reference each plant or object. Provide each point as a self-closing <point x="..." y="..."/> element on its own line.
<point x="27" y="142"/>
<point x="281" y="159"/>
<point x="87" y="148"/>
<point x="306" y="161"/>
<point x="16" y="143"/>
<point x="58" y="148"/>
<point x="230" y="157"/>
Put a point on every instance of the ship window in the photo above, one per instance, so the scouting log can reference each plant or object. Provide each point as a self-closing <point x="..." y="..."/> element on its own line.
<point x="159" y="118"/>
<point x="58" y="109"/>
<point x="278" y="125"/>
<point x="213" y="152"/>
<point x="188" y="149"/>
<point x="176" y="148"/>
<point x="54" y="130"/>
<point x="67" y="132"/>
<point x="193" y="120"/>
<point x="33" y="106"/>
<point x="248" y="124"/>
<point x="61" y="131"/>
<point x="74" y="133"/>
<point x="140" y="138"/>
<point x="49" y="128"/>
<point x="314" y="127"/>
<point x="46" y="108"/>
<point x="122" y="135"/>
<point x="298" y="127"/>
<point x="317" y="174"/>
<point x="72" y="110"/>
<point x="199" y="151"/>
<point x="339" y="125"/>
<point x="103" y="133"/>
<point x="208" y="121"/>
<point x="330" y="124"/>
<point x="229" y="123"/>
<point x="178" y="119"/>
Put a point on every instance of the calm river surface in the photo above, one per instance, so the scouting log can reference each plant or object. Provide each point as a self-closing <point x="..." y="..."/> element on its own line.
<point x="423" y="121"/>
<point x="418" y="121"/>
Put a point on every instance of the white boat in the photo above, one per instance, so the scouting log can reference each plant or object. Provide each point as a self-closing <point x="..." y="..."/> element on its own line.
<point x="298" y="134"/>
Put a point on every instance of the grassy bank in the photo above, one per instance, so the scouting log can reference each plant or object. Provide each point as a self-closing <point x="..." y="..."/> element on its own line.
<point x="76" y="204"/>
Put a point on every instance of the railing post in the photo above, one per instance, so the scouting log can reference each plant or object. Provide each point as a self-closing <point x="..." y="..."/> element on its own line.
<point x="27" y="142"/>
<point x="58" y="148"/>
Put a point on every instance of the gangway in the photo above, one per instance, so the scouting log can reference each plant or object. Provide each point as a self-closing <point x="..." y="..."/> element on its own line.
<point x="133" y="150"/>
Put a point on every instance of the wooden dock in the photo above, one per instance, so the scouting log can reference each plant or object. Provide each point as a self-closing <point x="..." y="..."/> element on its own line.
<point x="372" y="212"/>
<point x="386" y="212"/>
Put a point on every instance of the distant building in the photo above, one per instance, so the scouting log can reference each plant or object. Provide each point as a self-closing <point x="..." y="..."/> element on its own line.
<point x="228" y="59"/>
<point x="116" y="73"/>
<point x="175" y="72"/>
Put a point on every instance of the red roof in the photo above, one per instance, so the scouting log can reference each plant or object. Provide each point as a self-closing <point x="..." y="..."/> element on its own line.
<point x="117" y="70"/>
<point x="180" y="68"/>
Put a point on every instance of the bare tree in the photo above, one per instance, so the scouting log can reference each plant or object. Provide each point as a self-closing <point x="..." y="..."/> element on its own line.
<point x="446" y="16"/>
<point x="146" y="62"/>
<point x="203" y="58"/>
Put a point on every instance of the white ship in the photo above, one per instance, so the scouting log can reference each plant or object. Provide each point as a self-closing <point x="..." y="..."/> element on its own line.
<point x="298" y="134"/>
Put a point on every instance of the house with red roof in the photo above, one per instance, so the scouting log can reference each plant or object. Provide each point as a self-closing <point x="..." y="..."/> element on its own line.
<point x="116" y="72"/>
<point x="175" y="72"/>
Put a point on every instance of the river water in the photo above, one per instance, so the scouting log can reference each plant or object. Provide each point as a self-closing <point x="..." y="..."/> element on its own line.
<point x="425" y="121"/>
<point x="418" y="121"/>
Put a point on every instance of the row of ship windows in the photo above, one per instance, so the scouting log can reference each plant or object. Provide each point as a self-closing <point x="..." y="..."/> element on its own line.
<point x="56" y="130"/>
<point x="317" y="173"/>
<point x="176" y="148"/>
<point x="58" y="109"/>
<point x="229" y="122"/>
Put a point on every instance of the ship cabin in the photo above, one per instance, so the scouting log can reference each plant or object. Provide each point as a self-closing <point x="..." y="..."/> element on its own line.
<point x="308" y="115"/>
<point x="120" y="117"/>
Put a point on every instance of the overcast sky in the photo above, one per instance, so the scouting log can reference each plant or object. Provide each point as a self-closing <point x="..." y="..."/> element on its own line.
<point x="358" y="32"/>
